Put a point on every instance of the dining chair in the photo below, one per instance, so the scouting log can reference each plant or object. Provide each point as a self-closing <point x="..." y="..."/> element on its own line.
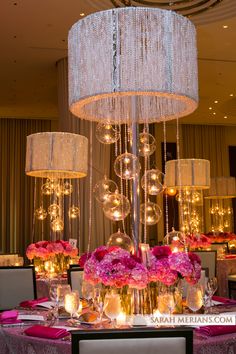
<point x="218" y="246"/>
<point x="133" y="341"/>
<point x="208" y="261"/>
<point x="75" y="278"/>
<point x="16" y="285"/>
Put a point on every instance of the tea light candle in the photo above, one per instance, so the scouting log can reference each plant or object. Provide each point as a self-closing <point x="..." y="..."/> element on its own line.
<point x="121" y="319"/>
<point x="72" y="302"/>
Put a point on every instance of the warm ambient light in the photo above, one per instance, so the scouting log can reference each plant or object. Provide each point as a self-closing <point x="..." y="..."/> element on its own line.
<point x="216" y="101"/>
<point x="214" y="113"/>
<point x="225" y="117"/>
<point x="82" y="14"/>
<point x="225" y="26"/>
<point x="210" y="107"/>
<point x="231" y="95"/>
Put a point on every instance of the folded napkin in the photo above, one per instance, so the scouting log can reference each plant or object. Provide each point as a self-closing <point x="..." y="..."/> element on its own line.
<point x="46" y="332"/>
<point x="33" y="303"/>
<point x="212" y="331"/>
<point x="8" y="317"/>
<point x="224" y="300"/>
<point x="230" y="256"/>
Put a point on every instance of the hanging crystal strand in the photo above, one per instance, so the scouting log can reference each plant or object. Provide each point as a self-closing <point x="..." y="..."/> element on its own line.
<point x="166" y="195"/>
<point x="126" y="149"/>
<point x="116" y="142"/>
<point x="90" y="185"/>
<point x="121" y="173"/>
<point x="70" y="219"/>
<point x="33" y="225"/>
<point x="146" y="158"/>
<point x="78" y="223"/>
<point x="61" y="211"/>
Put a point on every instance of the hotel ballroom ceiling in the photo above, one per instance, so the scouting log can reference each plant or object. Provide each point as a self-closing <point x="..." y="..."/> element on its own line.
<point x="34" y="36"/>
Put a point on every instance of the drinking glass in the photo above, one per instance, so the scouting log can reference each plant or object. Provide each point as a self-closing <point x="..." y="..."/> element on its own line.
<point x="72" y="303"/>
<point x="99" y="303"/>
<point x="87" y="291"/>
<point x="167" y="301"/>
<point x="62" y="290"/>
<point x="194" y="299"/>
<point x="112" y="306"/>
<point x="210" y="288"/>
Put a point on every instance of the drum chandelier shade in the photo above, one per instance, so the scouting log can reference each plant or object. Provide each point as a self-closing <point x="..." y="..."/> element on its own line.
<point x="222" y="188"/>
<point x="118" y="54"/>
<point x="56" y="155"/>
<point x="188" y="173"/>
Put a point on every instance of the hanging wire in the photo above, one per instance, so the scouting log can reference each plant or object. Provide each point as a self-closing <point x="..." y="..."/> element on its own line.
<point x="33" y="225"/>
<point x="79" y="220"/>
<point x="69" y="218"/>
<point x="166" y="195"/>
<point x="90" y="185"/>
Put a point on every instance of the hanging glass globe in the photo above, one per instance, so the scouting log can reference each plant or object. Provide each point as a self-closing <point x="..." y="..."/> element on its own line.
<point x="116" y="207"/>
<point x="58" y="190"/>
<point x="106" y="133"/>
<point x="147" y="144"/>
<point x="151" y="180"/>
<point x="53" y="183"/>
<point x="103" y="189"/>
<point x="57" y="225"/>
<point x="175" y="239"/>
<point x="40" y="213"/>
<point x="53" y="210"/>
<point x="122" y="240"/>
<point x="74" y="212"/>
<point x="127" y="166"/>
<point x="67" y="188"/>
<point x="46" y="189"/>
<point x="153" y="213"/>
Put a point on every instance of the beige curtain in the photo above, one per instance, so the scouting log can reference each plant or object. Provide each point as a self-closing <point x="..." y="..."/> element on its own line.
<point x="101" y="226"/>
<point x="16" y="189"/>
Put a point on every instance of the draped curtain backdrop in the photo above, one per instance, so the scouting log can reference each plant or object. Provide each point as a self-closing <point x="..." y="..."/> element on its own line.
<point x="101" y="226"/>
<point x="16" y="189"/>
<point x="207" y="142"/>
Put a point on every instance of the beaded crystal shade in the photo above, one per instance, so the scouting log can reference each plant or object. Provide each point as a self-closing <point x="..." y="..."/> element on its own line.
<point x="118" y="54"/>
<point x="188" y="173"/>
<point x="56" y="155"/>
<point x="222" y="188"/>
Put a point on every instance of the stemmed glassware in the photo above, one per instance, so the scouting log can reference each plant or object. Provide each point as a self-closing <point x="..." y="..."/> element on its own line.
<point x="194" y="298"/>
<point x="210" y="288"/>
<point x="99" y="303"/>
<point x="167" y="301"/>
<point x="112" y="306"/>
<point x="72" y="303"/>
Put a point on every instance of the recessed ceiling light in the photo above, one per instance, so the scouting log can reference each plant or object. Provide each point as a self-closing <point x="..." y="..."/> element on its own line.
<point x="210" y="107"/>
<point x="82" y="14"/>
<point x="225" y="26"/>
<point x="216" y="101"/>
<point x="225" y="117"/>
<point x="214" y="113"/>
<point x="231" y="95"/>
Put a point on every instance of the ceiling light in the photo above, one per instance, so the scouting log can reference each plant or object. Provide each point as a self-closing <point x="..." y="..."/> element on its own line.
<point x="225" y="117"/>
<point x="210" y="107"/>
<point x="215" y="101"/>
<point x="214" y="113"/>
<point x="225" y="26"/>
<point x="82" y="14"/>
<point x="231" y="95"/>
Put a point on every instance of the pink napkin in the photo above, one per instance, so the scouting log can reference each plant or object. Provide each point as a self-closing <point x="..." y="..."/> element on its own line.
<point x="212" y="331"/>
<point x="230" y="256"/>
<point x="224" y="300"/>
<point x="33" y="303"/>
<point x="46" y="332"/>
<point x="8" y="317"/>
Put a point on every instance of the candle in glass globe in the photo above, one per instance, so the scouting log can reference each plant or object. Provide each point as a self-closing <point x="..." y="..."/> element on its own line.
<point x="151" y="180"/>
<point x="150" y="213"/>
<point x="106" y="133"/>
<point x="67" y="188"/>
<point x="73" y="212"/>
<point x="40" y="213"/>
<point x="72" y="302"/>
<point x="175" y="239"/>
<point x="122" y="240"/>
<point x="127" y="166"/>
<point x="53" y="210"/>
<point x="46" y="189"/>
<point x="57" y="225"/>
<point x="103" y="189"/>
<point x="116" y="207"/>
<point x="147" y="144"/>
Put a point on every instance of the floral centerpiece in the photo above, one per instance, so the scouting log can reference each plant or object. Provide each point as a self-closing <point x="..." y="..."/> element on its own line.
<point x="221" y="237"/>
<point x="51" y="256"/>
<point x="198" y="242"/>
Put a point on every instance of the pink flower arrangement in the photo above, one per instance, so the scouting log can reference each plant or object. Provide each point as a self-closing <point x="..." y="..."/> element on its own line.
<point x="219" y="237"/>
<point x="113" y="266"/>
<point x="198" y="241"/>
<point x="46" y="249"/>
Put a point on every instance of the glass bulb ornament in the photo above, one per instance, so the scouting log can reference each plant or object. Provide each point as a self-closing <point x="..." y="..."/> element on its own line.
<point x="116" y="207"/>
<point x="73" y="212"/>
<point x="53" y="210"/>
<point x="53" y="183"/>
<point x="57" y="225"/>
<point x="46" y="189"/>
<point x="103" y="189"/>
<point x="127" y="166"/>
<point x="122" y="240"/>
<point x="175" y="239"/>
<point x="40" y="213"/>
<point x="150" y="213"/>
<point x="67" y="188"/>
<point x="106" y="133"/>
<point x="152" y="180"/>
<point x="171" y="191"/>
<point x="147" y="144"/>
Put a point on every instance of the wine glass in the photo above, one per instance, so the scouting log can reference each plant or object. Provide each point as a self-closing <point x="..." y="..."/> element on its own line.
<point x="112" y="306"/>
<point x="87" y="291"/>
<point x="62" y="290"/>
<point x="194" y="298"/>
<point x="72" y="303"/>
<point x="166" y="301"/>
<point x="99" y="302"/>
<point x="210" y="288"/>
